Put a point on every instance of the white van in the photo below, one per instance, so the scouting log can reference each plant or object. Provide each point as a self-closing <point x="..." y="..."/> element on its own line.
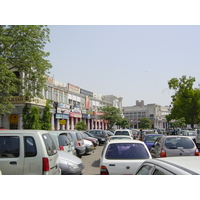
<point x="28" y="152"/>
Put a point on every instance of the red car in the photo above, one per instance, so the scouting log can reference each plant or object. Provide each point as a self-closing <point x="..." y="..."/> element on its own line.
<point x="95" y="141"/>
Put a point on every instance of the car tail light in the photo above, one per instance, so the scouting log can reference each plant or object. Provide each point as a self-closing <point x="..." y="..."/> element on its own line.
<point x="61" y="148"/>
<point x="46" y="164"/>
<point x="104" y="171"/>
<point x="79" y="143"/>
<point x="163" y="153"/>
<point x="196" y="153"/>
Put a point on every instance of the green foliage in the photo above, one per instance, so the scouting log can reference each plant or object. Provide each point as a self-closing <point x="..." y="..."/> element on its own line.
<point x="123" y="123"/>
<point x="185" y="101"/>
<point x="145" y="123"/>
<point x="179" y="123"/>
<point x="111" y="114"/>
<point x="45" y="121"/>
<point x="22" y="50"/>
<point x="81" y="126"/>
<point x="31" y="117"/>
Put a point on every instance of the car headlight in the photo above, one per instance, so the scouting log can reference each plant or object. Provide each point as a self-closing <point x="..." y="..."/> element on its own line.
<point x="72" y="166"/>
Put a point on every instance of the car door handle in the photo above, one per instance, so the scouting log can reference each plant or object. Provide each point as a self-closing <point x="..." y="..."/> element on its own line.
<point x="13" y="163"/>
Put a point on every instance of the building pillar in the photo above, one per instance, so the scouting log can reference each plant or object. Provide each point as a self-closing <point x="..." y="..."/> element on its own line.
<point x="20" y="122"/>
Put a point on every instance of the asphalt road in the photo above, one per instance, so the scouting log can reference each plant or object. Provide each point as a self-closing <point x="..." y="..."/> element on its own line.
<point x="91" y="161"/>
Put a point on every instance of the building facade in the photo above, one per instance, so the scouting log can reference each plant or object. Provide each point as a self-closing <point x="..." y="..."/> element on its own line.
<point x="156" y="113"/>
<point x="69" y="105"/>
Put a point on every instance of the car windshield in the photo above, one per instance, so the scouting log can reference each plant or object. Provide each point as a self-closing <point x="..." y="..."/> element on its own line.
<point x="179" y="142"/>
<point x="126" y="151"/>
<point x="151" y="138"/>
<point x="121" y="133"/>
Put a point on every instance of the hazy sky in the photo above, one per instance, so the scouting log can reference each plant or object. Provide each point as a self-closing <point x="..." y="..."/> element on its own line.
<point x="133" y="62"/>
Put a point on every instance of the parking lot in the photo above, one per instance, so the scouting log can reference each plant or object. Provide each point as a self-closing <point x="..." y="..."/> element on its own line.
<point x="91" y="161"/>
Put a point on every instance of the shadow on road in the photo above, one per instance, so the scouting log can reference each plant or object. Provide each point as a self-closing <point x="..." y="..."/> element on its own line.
<point x="96" y="163"/>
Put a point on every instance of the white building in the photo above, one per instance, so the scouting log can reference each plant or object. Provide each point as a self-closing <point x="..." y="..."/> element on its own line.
<point x="69" y="105"/>
<point x="156" y="113"/>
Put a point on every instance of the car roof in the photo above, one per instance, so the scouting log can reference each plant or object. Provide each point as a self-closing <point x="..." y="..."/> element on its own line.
<point x="189" y="164"/>
<point x="154" y="135"/>
<point x="23" y="131"/>
<point x="125" y="141"/>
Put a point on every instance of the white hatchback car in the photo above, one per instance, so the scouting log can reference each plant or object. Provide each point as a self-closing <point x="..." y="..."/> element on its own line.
<point x="183" y="165"/>
<point x="123" y="157"/>
<point x="126" y="132"/>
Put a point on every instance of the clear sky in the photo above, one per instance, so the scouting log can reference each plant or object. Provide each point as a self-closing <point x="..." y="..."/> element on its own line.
<point x="130" y="61"/>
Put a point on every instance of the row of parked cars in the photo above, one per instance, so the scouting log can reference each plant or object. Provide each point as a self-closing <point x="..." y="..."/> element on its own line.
<point x="46" y="152"/>
<point x="157" y="154"/>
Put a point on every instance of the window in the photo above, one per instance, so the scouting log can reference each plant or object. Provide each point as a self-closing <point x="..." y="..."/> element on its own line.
<point x="126" y="151"/>
<point x="63" y="140"/>
<point x="122" y="133"/>
<point x="9" y="146"/>
<point x="158" y="172"/>
<point x="50" y="146"/>
<point x="144" y="170"/>
<point x="175" y="142"/>
<point x="30" y="147"/>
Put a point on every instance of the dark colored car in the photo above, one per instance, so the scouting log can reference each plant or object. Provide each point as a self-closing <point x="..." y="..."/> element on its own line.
<point x="94" y="141"/>
<point x="150" y="139"/>
<point x="99" y="134"/>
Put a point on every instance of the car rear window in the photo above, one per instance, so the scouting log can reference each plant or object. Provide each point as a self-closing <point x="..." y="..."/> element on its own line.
<point x="121" y="133"/>
<point x="9" y="146"/>
<point x="50" y="145"/>
<point x="177" y="142"/>
<point x="151" y="138"/>
<point x="126" y="151"/>
<point x="63" y="140"/>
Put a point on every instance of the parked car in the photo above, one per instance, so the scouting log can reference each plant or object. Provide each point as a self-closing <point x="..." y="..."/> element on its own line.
<point x="123" y="157"/>
<point x="184" y="165"/>
<point x="119" y="137"/>
<point x="70" y="164"/>
<point x="150" y="139"/>
<point x="191" y="134"/>
<point x="135" y="133"/>
<point x="88" y="146"/>
<point x="124" y="132"/>
<point x="101" y="135"/>
<point x="78" y="143"/>
<point x="61" y="141"/>
<point x="95" y="141"/>
<point x="109" y="133"/>
<point x="28" y="152"/>
<point x="168" y="146"/>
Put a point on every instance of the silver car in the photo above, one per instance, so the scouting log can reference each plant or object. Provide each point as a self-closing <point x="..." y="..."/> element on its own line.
<point x="188" y="165"/>
<point x="168" y="146"/>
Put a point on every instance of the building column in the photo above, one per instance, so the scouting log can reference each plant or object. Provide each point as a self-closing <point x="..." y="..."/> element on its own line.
<point x="67" y="124"/>
<point x="52" y="121"/>
<point x="57" y="124"/>
<point x="72" y="123"/>
<point x="20" y="122"/>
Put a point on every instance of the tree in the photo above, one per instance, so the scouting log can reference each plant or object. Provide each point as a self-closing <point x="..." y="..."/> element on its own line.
<point x="45" y="121"/>
<point x="81" y="126"/>
<point x="179" y="123"/>
<point x="22" y="51"/>
<point x="111" y="114"/>
<point x="123" y="122"/>
<point x="145" y="123"/>
<point x="185" y="101"/>
<point x="31" y="117"/>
